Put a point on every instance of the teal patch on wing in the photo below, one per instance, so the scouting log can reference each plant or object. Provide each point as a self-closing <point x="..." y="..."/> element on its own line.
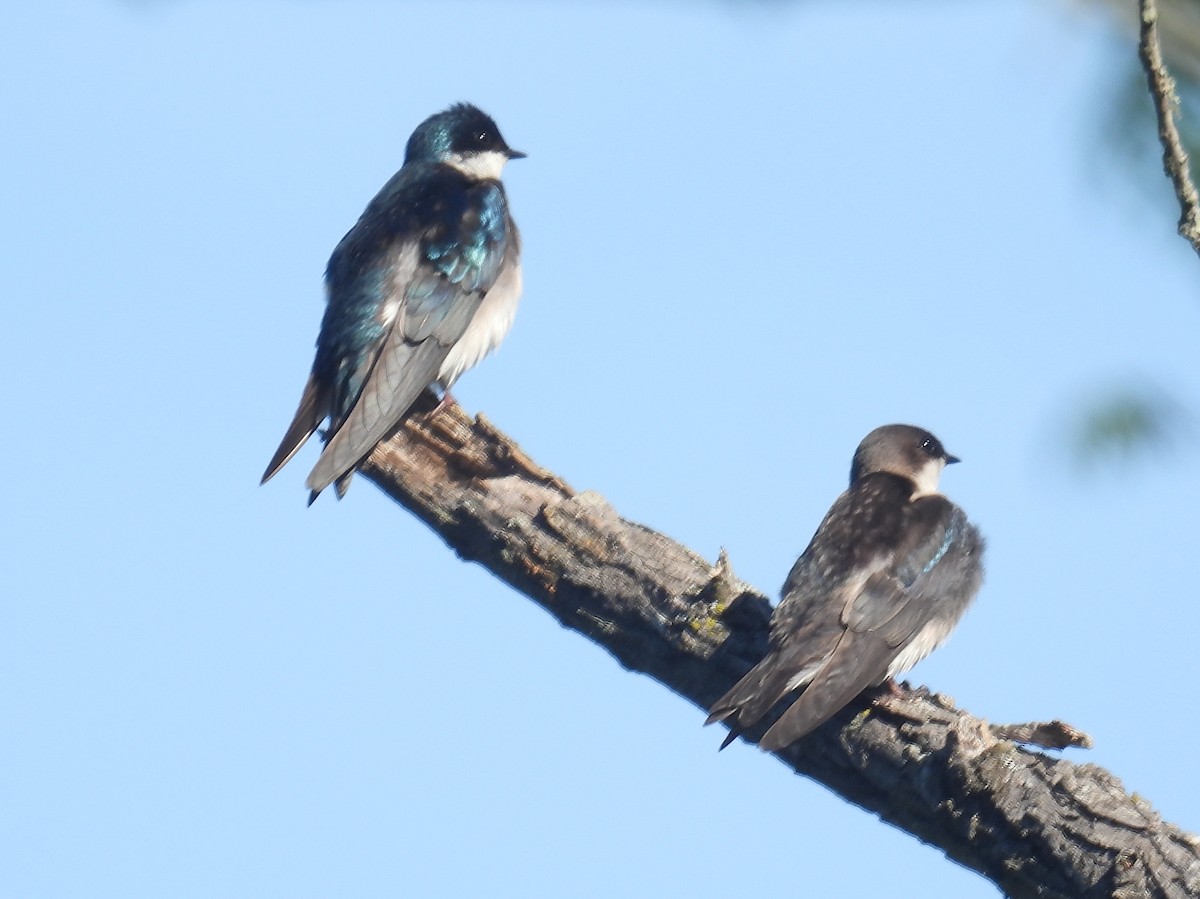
<point x="923" y="555"/>
<point x="908" y="572"/>
<point x="459" y="262"/>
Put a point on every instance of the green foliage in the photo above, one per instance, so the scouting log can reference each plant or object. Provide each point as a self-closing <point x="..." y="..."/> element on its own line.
<point x="1126" y="423"/>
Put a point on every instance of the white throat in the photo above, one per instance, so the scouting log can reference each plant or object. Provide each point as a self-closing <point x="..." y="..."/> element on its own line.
<point x="927" y="477"/>
<point x="488" y="164"/>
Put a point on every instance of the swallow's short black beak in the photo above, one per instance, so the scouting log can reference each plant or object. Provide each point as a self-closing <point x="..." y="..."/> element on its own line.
<point x="516" y="154"/>
<point x="950" y="460"/>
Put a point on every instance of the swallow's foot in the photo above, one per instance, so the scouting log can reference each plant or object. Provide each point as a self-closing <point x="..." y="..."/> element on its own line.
<point x="446" y="400"/>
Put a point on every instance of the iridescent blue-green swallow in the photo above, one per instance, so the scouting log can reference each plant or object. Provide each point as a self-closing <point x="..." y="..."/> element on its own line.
<point x="422" y="287"/>
<point x="884" y="580"/>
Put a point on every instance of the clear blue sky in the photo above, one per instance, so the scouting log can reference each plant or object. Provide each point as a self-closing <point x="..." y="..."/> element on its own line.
<point x="750" y="238"/>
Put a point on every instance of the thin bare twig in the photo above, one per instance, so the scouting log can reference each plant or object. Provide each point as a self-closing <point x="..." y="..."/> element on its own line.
<point x="1047" y="734"/>
<point x="1162" y="90"/>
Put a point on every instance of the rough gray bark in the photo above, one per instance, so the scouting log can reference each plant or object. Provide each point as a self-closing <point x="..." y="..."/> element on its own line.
<point x="1162" y="92"/>
<point x="1036" y="825"/>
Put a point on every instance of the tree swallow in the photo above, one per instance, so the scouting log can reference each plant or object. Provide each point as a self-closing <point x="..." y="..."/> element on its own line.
<point x="422" y="287"/>
<point x="884" y="580"/>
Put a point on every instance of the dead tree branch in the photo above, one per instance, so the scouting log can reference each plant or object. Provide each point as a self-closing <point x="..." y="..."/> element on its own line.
<point x="1036" y="825"/>
<point x="1162" y="91"/>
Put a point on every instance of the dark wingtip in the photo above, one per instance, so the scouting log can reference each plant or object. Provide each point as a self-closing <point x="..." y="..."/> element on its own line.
<point x="281" y="458"/>
<point x="304" y="423"/>
<point x="721" y="714"/>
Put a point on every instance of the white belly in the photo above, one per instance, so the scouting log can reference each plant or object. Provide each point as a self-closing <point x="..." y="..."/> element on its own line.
<point x="488" y="326"/>
<point x="924" y="641"/>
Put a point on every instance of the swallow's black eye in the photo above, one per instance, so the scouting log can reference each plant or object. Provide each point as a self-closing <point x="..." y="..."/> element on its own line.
<point x="481" y="137"/>
<point x="932" y="447"/>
